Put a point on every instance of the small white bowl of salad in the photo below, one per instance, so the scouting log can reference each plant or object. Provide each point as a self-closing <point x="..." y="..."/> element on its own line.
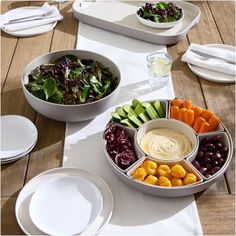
<point x="160" y="15"/>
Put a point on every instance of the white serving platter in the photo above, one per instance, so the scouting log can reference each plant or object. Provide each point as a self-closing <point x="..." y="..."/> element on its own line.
<point x="120" y="17"/>
<point x="25" y="196"/>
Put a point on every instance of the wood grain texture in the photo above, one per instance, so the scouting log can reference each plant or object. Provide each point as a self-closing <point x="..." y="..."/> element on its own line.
<point x="9" y="224"/>
<point x="224" y="15"/>
<point x="14" y="102"/>
<point x="219" y="98"/>
<point x="217" y="214"/>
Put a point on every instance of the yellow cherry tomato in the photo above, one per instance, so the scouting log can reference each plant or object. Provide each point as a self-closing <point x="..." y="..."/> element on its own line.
<point x="151" y="180"/>
<point x="164" y="182"/>
<point x="149" y="167"/>
<point x="163" y="170"/>
<point x="190" y="178"/>
<point x="177" y="171"/>
<point x="139" y="174"/>
<point x="176" y="182"/>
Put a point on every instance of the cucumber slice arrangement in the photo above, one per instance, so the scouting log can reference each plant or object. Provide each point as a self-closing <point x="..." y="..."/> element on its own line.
<point x="138" y="113"/>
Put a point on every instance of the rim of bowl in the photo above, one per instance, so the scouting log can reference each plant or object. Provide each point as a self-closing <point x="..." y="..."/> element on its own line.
<point x="194" y="149"/>
<point x="73" y="105"/>
<point x="160" y="23"/>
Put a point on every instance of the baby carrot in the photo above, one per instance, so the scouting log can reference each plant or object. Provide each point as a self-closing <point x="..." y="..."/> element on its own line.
<point x="177" y="102"/>
<point x="197" y="124"/>
<point x="204" y="127"/>
<point x="206" y="114"/>
<point x="214" y="122"/>
<point x="174" y="112"/>
<point x="182" y="112"/>
<point x="197" y="111"/>
<point x="187" y="104"/>
<point x="189" y="117"/>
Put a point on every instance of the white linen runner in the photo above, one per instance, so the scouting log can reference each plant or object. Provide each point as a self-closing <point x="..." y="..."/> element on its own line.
<point x="135" y="213"/>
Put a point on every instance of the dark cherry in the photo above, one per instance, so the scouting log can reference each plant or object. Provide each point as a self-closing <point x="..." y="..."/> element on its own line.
<point x="215" y="163"/>
<point x="208" y="174"/>
<point x="215" y="169"/>
<point x="219" y="146"/>
<point x="196" y="164"/>
<point x="215" y="139"/>
<point x="209" y="155"/>
<point x="206" y="139"/>
<point x="210" y="147"/>
<point x="217" y="156"/>
<point x="208" y="166"/>
<point x="207" y="160"/>
<point x="221" y="162"/>
<point x="203" y="170"/>
<point x="224" y="149"/>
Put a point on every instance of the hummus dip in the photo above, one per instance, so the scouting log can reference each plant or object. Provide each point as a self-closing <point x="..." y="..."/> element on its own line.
<point x="165" y="144"/>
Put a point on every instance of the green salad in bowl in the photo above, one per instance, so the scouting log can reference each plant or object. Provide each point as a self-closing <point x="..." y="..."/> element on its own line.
<point x="160" y="14"/>
<point x="70" y="80"/>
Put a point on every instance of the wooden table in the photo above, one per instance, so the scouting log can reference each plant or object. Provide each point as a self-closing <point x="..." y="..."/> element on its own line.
<point x="216" y="205"/>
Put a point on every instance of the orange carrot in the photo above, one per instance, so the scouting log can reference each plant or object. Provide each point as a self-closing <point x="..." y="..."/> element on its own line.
<point x="189" y="117"/>
<point x="204" y="127"/>
<point x="182" y="112"/>
<point x="198" y="123"/>
<point x="177" y="102"/>
<point x="206" y="114"/>
<point x="214" y="122"/>
<point x="174" y="112"/>
<point x="197" y="111"/>
<point x="187" y="104"/>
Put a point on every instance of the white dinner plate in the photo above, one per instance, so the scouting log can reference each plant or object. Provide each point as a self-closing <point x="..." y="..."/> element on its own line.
<point x="211" y="75"/>
<point x="15" y="158"/>
<point x="24" y="199"/>
<point x="28" y="32"/>
<point x="65" y="205"/>
<point x="18" y="135"/>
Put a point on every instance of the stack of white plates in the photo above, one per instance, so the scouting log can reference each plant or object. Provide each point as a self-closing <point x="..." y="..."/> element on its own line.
<point x="18" y="137"/>
<point x="64" y="201"/>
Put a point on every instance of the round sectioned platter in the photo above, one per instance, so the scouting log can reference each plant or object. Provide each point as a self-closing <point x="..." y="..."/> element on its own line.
<point x="203" y="181"/>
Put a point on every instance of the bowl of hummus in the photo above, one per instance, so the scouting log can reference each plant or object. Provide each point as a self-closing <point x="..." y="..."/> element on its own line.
<point x="167" y="139"/>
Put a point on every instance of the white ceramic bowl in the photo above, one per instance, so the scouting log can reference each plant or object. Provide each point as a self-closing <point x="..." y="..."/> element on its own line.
<point x="169" y="124"/>
<point x="71" y="113"/>
<point x="164" y="25"/>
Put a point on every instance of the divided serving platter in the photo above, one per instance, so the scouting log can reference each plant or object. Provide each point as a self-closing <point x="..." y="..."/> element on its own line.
<point x="180" y="191"/>
<point x="121" y="19"/>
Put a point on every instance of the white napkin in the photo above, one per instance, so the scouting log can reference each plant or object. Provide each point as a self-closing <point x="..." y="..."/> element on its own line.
<point x="26" y="18"/>
<point x="220" y="59"/>
<point x="135" y="213"/>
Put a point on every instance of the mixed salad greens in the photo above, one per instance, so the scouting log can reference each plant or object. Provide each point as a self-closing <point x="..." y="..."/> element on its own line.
<point x="69" y="80"/>
<point x="160" y="12"/>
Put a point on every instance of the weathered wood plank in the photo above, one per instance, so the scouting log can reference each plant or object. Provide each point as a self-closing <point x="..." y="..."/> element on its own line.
<point x="9" y="224"/>
<point x="14" y="102"/>
<point x="224" y="16"/>
<point x="220" y="98"/>
<point x="8" y="43"/>
<point x="217" y="214"/>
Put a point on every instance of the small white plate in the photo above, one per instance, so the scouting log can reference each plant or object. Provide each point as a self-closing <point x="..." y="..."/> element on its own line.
<point x="15" y="158"/>
<point x="65" y="205"/>
<point x="24" y="198"/>
<point x="28" y="32"/>
<point x="18" y="135"/>
<point x="211" y="75"/>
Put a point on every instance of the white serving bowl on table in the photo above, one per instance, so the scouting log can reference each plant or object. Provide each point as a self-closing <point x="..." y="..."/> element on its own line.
<point x="157" y="25"/>
<point x="71" y="113"/>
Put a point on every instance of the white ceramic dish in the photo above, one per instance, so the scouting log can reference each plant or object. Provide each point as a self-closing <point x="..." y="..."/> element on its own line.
<point x="15" y="158"/>
<point x="211" y="75"/>
<point x="157" y="25"/>
<point x="28" y="32"/>
<point x="65" y="205"/>
<point x="18" y="135"/>
<point x="71" y="113"/>
<point x="168" y="124"/>
<point x="24" y="198"/>
<point x="174" y="191"/>
<point x="121" y="18"/>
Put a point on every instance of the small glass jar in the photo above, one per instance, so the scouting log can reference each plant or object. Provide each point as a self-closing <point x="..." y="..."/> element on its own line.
<point x="159" y="67"/>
